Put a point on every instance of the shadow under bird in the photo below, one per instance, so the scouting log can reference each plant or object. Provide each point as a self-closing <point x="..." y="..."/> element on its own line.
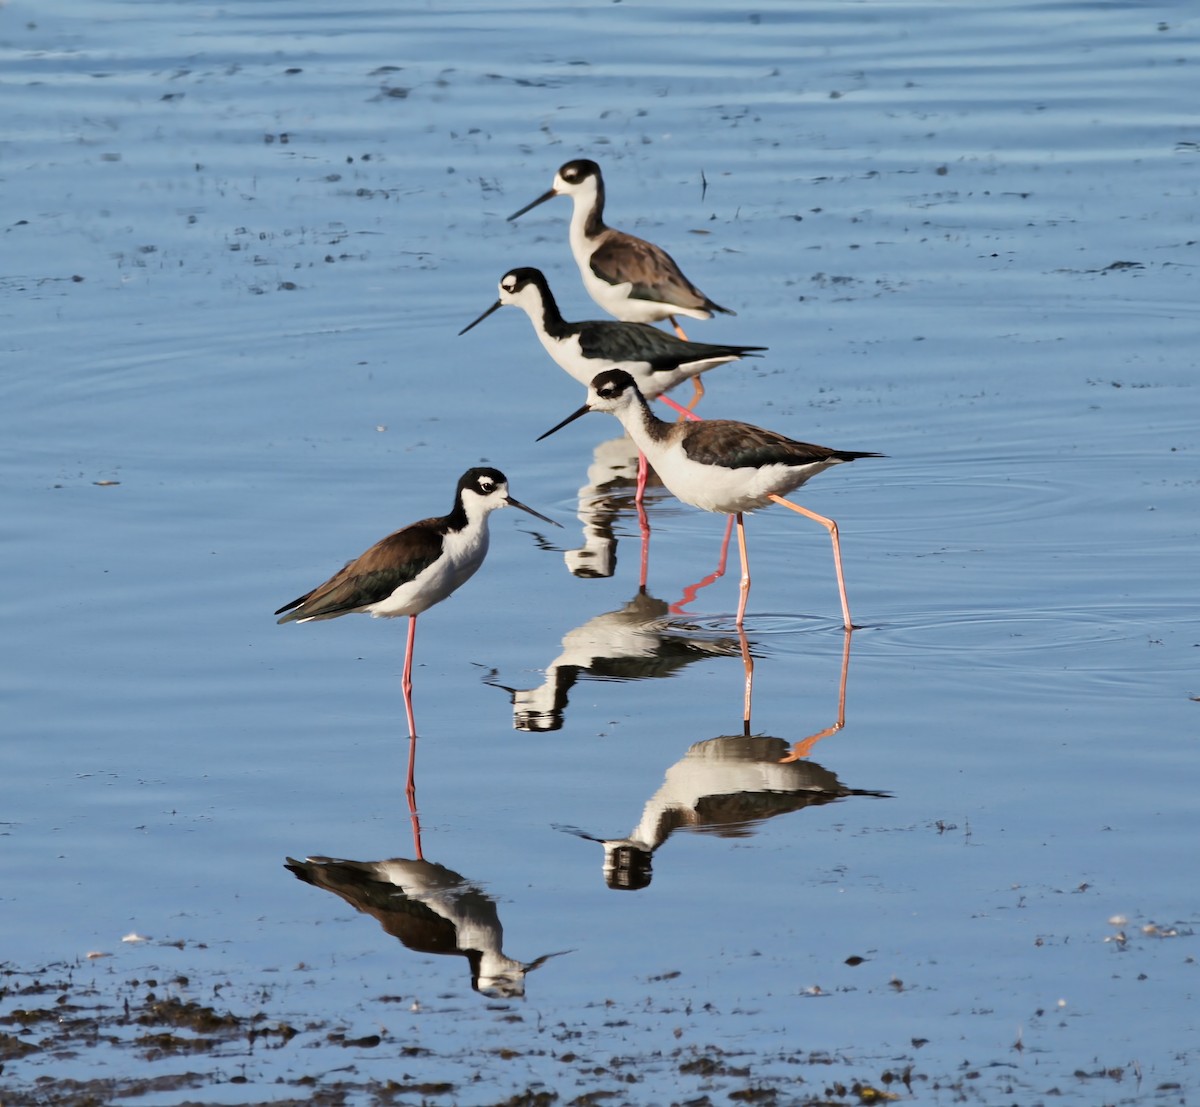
<point x="656" y="359"/>
<point x="408" y="572"/>
<point x="629" y="277"/>
<point x="718" y="464"/>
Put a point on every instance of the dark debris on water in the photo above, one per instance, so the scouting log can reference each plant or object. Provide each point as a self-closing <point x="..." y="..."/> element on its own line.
<point x="62" y="1016"/>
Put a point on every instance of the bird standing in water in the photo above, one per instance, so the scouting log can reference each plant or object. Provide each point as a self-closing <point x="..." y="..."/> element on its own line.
<point x="720" y="465"/>
<point x="408" y="572"/>
<point x="630" y="278"/>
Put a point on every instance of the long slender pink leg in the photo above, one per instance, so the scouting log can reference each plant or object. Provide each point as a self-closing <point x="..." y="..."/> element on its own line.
<point x="406" y="682"/>
<point x="802" y="748"/>
<point x="832" y="527"/>
<point x="411" y="791"/>
<point x="690" y="592"/>
<point x="643" y="475"/>
<point x="748" y="661"/>
<point x="744" y="588"/>
<point x="697" y="384"/>
<point x="644" y="525"/>
<point x="684" y="412"/>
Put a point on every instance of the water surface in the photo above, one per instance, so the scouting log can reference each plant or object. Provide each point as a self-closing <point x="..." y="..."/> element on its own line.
<point x="239" y="242"/>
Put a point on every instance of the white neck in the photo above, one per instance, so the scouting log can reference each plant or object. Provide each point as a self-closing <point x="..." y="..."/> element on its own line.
<point x="641" y="425"/>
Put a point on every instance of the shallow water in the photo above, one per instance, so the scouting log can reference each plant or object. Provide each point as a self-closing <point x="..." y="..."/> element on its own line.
<point x="239" y="242"/>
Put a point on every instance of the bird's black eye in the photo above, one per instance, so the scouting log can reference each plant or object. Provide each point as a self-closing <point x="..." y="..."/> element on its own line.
<point x="509" y="284"/>
<point x="486" y="484"/>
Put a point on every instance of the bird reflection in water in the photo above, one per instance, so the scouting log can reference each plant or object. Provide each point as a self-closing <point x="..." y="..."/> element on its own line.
<point x="726" y="786"/>
<point x="723" y="786"/>
<point x="636" y="642"/>
<point x="429" y="908"/>
<point x="609" y="492"/>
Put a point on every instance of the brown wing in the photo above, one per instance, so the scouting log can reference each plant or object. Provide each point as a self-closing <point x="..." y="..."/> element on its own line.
<point x="650" y="270"/>
<point x="391" y="562"/>
<point x="741" y="446"/>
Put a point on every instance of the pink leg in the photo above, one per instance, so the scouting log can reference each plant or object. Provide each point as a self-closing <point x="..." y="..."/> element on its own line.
<point x="685" y="412"/>
<point x="643" y="474"/>
<point x="832" y="527"/>
<point x="678" y="328"/>
<point x="689" y="593"/>
<point x="802" y="748"/>
<point x="745" y="585"/>
<point x="406" y="684"/>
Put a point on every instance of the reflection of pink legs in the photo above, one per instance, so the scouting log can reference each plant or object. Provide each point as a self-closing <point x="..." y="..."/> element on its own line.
<point x="412" y="797"/>
<point x="644" y="524"/>
<point x="832" y="527"/>
<point x="689" y="593"/>
<point x="406" y="685"/>
<point x="802" y="748"/>
<point x="411" y="785"/>
<point x="748" y="661"/>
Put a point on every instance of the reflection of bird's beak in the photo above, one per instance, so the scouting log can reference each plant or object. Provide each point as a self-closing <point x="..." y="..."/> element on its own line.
<point x="495" y="307"/>
<point x="529" y="207"/>
<point x="525" y="507"/>
<point x="546" y="957"/>
<point x="569" y="419"/>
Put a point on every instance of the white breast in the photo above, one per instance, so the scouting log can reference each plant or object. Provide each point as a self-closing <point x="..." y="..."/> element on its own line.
<point x="567" y="355"/>
<point x="715" y="488"/>
<point x="462" y="553"/>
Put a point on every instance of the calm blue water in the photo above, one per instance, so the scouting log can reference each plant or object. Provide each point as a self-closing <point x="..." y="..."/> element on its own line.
<point x="238" y="243"/>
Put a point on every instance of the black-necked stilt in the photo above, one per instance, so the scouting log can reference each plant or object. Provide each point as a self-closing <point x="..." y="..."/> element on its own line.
<point x="657" y="360"/>
<point x="718" y="464"/>
<point x="629" y="277"/>
<point x="410" y="571"/>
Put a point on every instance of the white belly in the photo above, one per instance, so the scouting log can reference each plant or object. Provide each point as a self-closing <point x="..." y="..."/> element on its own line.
<point x="727" y="491"/>
<point x="615" y="299"/>
<point x="463" y="553"/>
<point x="567" y="355"/>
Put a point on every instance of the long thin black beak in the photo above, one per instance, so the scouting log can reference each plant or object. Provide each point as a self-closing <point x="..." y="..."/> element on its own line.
<point x="529" y="207"/>
<point x="525" y="507"/>
<point x="569" y="419"/>
<point x="495" y="307"/>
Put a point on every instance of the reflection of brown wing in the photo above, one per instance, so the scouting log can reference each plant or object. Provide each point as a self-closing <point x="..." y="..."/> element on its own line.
<point x="736" y="816"/>
<point x="803" y="784"/>
<point x="417" y="926"/>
